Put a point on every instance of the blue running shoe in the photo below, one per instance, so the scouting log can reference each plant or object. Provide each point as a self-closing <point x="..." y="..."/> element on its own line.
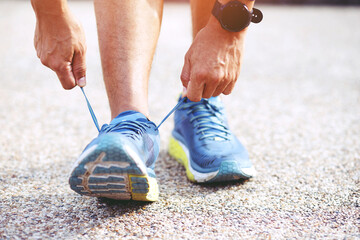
<point x="119" y="163"/>
<point x="203" y="143"/>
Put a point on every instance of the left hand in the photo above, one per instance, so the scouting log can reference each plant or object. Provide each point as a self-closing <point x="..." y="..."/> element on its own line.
<point x="212" y="64"/>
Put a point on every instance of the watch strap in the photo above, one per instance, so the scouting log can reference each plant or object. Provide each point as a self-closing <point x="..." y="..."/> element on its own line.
<point x="216" y="9"/>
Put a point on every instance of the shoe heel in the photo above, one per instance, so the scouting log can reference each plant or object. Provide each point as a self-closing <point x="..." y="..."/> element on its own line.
<point x="177" y="151"/>
<point x="143" y="188"/>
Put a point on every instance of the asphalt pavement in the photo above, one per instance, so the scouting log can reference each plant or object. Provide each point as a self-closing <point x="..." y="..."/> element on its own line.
<point x="296" y="107"/>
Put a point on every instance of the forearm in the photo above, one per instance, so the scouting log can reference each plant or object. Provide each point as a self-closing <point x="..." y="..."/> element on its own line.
<point x="49" y="7"/>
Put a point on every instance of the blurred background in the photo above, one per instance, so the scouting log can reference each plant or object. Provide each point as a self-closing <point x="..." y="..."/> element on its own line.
<point x="328" y="2"/>
<point x="295" y="107"/>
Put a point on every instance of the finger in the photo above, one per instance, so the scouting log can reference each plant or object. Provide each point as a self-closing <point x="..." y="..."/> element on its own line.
<point x="65" y="75"/>
<point x="195" y="90"/>
<point x="208" y="91"/>
<point x="229" y="88"/>
<point x="214" y="80"/>
<point x="184" y="93"/>
<point x="220" y="88"/>
<point x="185" y="73"/>
<point x="79" y="69"/>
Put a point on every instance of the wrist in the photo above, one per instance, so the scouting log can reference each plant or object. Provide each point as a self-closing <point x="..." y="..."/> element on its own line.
<point x="235" y="16"/>
<point x="46" y="7"/>
<point x="249" y="3"/>
<point x="215" y="25"/>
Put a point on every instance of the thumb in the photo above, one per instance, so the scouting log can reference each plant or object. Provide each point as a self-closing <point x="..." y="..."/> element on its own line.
<point x="185" y="74"/>
<point x="79" y="69"/>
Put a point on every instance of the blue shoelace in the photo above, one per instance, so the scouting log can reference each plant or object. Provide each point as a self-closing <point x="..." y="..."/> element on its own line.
<point x="136" y="127"/>
<point x="208" y="129"/>
<point x="215" y="129"/>
<point x="129" y="128"/>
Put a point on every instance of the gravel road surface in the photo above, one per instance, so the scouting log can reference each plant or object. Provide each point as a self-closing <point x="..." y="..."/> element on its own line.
<point x="296" y="107"/>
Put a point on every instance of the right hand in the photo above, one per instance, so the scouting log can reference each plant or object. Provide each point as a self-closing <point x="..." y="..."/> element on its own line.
<point x="60" y="44"/>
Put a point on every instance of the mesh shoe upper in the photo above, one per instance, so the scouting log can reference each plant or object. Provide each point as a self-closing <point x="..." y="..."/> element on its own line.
<point x="137" y="132"/>
<point x="202" y="127"/>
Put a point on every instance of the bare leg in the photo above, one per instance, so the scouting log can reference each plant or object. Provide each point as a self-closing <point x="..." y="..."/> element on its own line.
<point x="128" y="32"/>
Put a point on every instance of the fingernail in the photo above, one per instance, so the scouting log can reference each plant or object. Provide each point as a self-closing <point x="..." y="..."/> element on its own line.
<point x="184" y="92"/>
<point x="82" y="82"/>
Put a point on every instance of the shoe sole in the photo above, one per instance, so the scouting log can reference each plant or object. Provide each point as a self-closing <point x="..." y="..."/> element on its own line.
<point x="228" y="170"/>
<point x="113" y="171"/>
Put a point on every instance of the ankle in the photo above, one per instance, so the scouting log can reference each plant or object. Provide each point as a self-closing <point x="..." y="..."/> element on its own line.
<point x="116" y="111"/>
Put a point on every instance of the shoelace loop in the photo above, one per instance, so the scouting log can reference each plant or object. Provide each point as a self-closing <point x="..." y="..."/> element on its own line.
<point x="209" y="130"/>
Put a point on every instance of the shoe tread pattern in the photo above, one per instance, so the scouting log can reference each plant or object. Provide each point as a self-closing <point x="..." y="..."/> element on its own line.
<point x="110" y="172"/>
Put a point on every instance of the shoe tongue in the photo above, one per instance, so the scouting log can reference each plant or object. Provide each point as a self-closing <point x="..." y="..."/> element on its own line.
<point x="215" y="101"/>
<point x="129" y="115"/>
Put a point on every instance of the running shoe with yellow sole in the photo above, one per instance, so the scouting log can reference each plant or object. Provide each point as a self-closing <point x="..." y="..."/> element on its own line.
<point x="119" y="163"/>
<point x="203" y="143"/>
